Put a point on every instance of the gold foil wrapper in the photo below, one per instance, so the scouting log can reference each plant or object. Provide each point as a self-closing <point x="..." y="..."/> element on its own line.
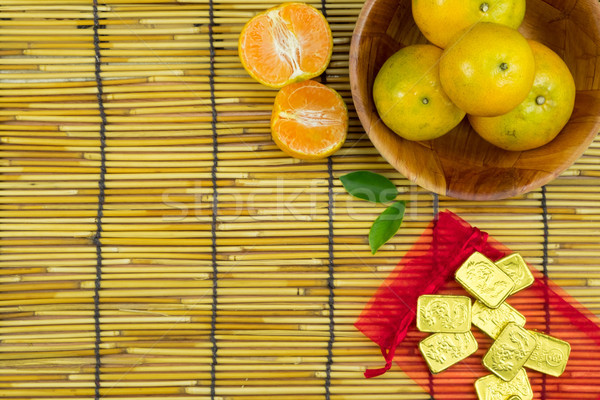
<point x="550" y="356"/>
<point x="491" y="387"/>
<point x="484" y="280"/>
<point x="515" y="267"/>
<point x="447" y="314"/>
<point x="492" y="320"/>
<point x="510" y="351"/>
<point x="442" y="350"/>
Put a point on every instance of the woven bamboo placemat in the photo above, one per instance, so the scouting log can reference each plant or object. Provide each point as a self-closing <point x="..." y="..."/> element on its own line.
<point x="155" y="242"/>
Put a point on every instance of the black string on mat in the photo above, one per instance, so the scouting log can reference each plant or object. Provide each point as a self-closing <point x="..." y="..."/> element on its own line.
<point x="545" y="248"/>
<point x="545" y="272"/>
<point x="324" y="11"/>
<point x="330" y="284"/>
<point x="215" y="208"/>
<point x="436" y="207"/>
<point x="101" y="188"/>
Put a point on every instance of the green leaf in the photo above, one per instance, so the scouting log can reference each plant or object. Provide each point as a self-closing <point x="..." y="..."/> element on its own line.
<point x="369" y="186"/>
<point x="386" y="225"/>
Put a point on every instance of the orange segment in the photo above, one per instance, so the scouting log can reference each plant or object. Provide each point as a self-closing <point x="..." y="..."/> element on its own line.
<point x="285" y="44"/>
<point x="309" y="120"/>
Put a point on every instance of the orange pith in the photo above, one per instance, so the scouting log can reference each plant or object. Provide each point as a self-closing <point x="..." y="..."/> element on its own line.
<point x="309" y="120"/>
<point x="285" y="44"/>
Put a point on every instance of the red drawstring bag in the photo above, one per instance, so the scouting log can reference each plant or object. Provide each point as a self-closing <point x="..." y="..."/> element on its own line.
<point x="388" y="318"/>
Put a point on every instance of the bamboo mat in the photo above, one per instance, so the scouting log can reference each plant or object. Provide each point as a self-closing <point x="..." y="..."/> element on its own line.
<point x="156" y="243"/>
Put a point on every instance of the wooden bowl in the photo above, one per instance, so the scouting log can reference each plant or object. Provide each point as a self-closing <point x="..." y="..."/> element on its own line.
<point x="460" y="164"/>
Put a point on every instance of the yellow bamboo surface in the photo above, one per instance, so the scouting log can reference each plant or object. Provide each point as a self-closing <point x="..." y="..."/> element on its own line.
<point x="271" y="317"/>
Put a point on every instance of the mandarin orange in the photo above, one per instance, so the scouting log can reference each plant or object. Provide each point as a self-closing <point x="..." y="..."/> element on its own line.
<point x="545" y="111"/>
<point x="441" y="20"/>
<point x="285" y="44"/>
<point x="408" y="94"/>
<point x="309" y="120"/>
<point x="488" y="69"/>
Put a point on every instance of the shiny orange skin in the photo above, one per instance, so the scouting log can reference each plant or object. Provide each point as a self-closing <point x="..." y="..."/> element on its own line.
<point x="408" y="95"/>
<point x="488" y="69"/>
<point x="441" y="20"/>
<point x="543" y="114"/>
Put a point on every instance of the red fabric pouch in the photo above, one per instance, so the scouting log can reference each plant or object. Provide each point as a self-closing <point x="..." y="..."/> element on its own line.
<point x="388" y="318"/>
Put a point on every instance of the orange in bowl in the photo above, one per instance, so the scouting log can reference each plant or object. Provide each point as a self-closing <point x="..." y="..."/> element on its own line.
<point x="488" y="69"/>
<point x="409" y="97"/>
<point x="309" y="120"/>
<point x="461" y="164"/>
<point x="542" y="115"/>
<point x="285" y="44"/>
<point x="441" y="20"/>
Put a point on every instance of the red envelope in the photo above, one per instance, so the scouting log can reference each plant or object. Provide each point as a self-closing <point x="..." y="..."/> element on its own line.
<point x="388" y="318"/>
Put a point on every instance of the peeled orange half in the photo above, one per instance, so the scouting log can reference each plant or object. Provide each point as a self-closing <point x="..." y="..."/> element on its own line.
<point x="309" y="120"/>
<point x="285" y="44"/>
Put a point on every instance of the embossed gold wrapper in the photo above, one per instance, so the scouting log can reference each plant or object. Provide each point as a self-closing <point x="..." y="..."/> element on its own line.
<point x="490" y="387"/>
<point x="492" y="320"/>
<point x="442" y="350"/>
<point x="515" y="267"/>
<point x="448" y="314"/>
<point x="484" y="280"/>
<point x="550" y="356"/>
<point x="510" y="351"/>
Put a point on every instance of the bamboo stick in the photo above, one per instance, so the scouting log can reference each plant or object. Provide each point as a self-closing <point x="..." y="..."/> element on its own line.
<point x="40" y="5"/>
<point x="224" y="61"/>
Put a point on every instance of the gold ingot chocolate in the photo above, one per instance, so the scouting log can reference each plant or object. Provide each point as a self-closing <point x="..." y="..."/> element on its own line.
<point x="490" y="387"/>
<point x="510" y="351"/>
<point x="515" y="267"/>
<point x="442" y="350"/>
<point x="492" y="320"/>
<point x="550" y="355"/>
<point x="484" y="280"/>
<point x="448" y="314"/>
